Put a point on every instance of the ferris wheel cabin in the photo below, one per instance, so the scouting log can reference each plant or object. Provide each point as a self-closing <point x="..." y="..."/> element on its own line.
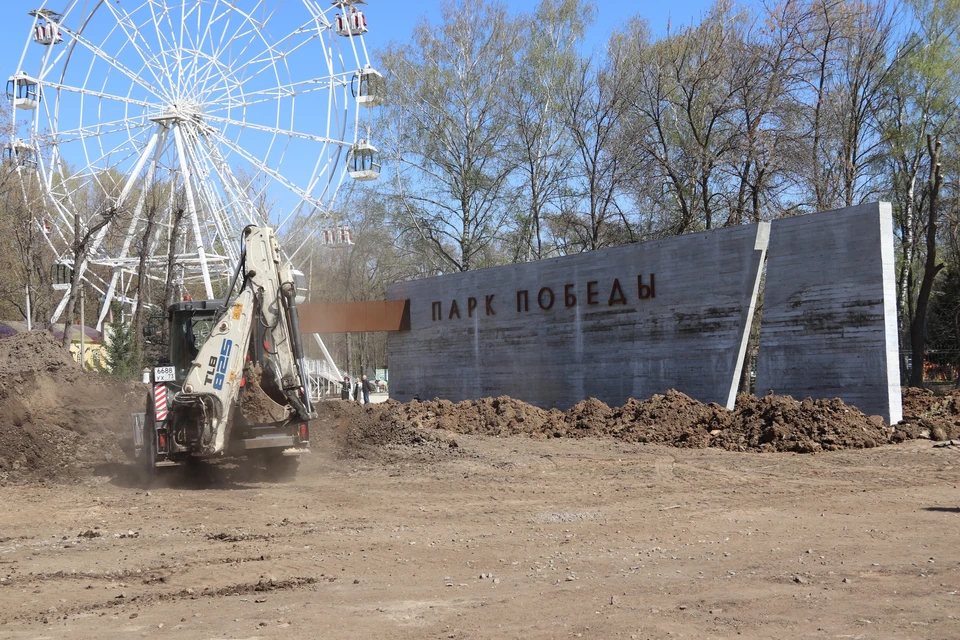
<point x="368" y="87"/>
<point x="338" y="236"/>
<point x="20" y="154"/>
<point x="24" y="91"/>
<point x="46" y="30"/>
<point x="363" y="162"/>
<point x="350" y="23"/>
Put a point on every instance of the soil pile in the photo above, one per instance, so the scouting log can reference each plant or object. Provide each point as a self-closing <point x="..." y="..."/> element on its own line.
<point x="928" y="415"/>
<point x="772" y="423"/>
<point x="780" y="423"/>
<point x="377" y="431"/>
<point x="56" y="420"/>
<point x="503" y="416"/>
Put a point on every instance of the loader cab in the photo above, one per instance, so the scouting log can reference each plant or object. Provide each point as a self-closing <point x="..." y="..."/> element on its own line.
<point x="191" y="322"/>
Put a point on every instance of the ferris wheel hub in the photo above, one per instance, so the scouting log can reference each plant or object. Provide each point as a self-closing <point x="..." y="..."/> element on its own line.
<point x="180" y="111"/>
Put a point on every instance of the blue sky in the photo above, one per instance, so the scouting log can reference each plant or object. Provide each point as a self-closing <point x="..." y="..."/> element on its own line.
<point x="392" y="20"/>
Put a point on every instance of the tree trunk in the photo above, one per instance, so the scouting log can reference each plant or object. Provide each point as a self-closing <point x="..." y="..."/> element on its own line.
<point x="931" y="268"/>
<point x="137" y="324"/>
<point x="908" y="248"/>
<point x="171" y="258"/>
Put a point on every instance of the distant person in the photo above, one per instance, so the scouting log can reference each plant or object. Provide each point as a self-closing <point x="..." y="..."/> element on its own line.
<point x="358" y="391"/>
<point x="365" y="387"/>
<point x="345" y="388"/>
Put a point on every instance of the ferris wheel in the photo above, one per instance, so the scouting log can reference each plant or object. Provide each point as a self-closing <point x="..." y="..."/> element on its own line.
<point x="182" y="121"/>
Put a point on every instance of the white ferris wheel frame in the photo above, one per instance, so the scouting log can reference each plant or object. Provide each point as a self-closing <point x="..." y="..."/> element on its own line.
<point x="162" y="132"/>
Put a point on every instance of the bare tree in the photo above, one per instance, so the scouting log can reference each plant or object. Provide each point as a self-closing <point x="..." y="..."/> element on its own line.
<point x="449" y="134"/>
<point x="594" y="103"/>
<point x="542" y="148"/>
<point x="691" y="106"/>
<point x="84" y="234"/>
<point x="848" y="58"/>
<point x="920" y="101"/>
<point x="766" y="73"/>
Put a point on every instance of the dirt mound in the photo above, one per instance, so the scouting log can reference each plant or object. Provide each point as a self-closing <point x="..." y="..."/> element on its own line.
<point x="672" y="418"/>
<point x="503" y="416"/>
<point x="928" y="415"/>
<point x="35" y="351"/>
<point x="780" y="423"/>
<point x="56" y="420"/>
<point x="772" y="423"/>
<point x="377" y="431"/>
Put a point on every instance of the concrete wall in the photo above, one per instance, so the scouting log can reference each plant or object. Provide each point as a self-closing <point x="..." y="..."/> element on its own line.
<point x="625" y="322"/>
<point x="829" y="326"/>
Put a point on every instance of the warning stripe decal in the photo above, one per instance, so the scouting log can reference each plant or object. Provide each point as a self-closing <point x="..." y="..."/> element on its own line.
<point x="160" y="401"/>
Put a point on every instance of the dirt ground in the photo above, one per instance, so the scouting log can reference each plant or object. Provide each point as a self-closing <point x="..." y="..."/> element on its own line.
<point x="511" y="538"/>
<point x="487" y="519"/>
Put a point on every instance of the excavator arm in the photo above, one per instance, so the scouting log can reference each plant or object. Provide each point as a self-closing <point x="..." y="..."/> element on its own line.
<point x="267" y="296"/>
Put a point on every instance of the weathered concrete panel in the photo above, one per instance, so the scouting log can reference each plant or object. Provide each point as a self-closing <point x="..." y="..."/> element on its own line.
<point x="671" y="314"/>
<point x="829" y="326"/>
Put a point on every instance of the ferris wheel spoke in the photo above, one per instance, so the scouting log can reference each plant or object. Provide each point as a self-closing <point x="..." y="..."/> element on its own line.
<point x="101" y="94"/>
<point x="243" y="206"/>
<point x="268" y="59"/>
<point x="207" y="32"/>
<point x="163" y="43"/>
<point x="94" y="168"/>
<point x="203" y="90"/>
<point x="214" y="18"/>
<point x="277" y="50"/>
<point x="206" y="191"/>
<point x="194" y="38"/>
<point x="170" y="45"/>
<point x="113" y="62"/>
<point x="216" y="49"/>
<point x="100" y="129"/>
<point x="289" y="133"/>
<point x="252" y="28"/>
<point x="263" y="64"/>
<point x="245" y="65"/>
<point x="287" y="90"/>
<point x="132" y="33"/>
<point x="265" y="169"/>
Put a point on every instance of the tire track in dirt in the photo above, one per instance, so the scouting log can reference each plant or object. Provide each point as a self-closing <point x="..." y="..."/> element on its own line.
<point x="264" y="586"/>
<point x="148" y="575"/>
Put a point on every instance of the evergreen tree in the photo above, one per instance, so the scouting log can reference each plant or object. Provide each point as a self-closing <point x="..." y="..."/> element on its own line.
<point x="121" y="355"/>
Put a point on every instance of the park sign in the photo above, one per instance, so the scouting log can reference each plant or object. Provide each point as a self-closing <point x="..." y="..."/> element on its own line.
<point x="644" y="318"/>
<point x="628" y="321"/>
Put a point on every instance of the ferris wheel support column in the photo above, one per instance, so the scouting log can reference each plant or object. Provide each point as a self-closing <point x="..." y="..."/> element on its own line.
<point x="192" y="208"/>
<point x="157" y="141"/>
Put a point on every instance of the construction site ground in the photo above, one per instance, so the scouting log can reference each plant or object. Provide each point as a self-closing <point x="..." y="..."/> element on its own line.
<point x="482" y="520"/>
